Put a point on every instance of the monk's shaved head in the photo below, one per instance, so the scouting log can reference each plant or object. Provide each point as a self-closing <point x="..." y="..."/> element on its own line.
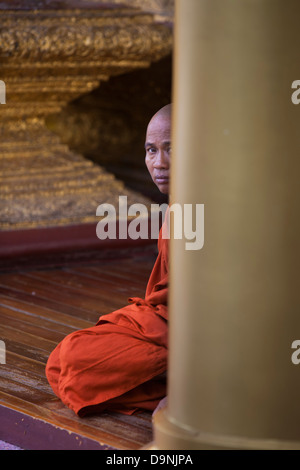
<point x="165" y="112"/>
<point x="158" y="148"/>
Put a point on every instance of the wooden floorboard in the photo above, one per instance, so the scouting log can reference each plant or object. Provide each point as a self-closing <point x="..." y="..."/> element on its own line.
<point x="39" y="306"/>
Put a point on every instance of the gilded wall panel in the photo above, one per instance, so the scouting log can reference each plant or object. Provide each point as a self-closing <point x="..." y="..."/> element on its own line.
<point x="51" y="54"/>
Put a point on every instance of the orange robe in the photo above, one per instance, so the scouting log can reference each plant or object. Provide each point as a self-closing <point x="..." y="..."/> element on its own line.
<point x="117" y="364"/>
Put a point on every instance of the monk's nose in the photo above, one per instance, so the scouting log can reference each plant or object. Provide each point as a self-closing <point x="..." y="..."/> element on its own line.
<point x="162" y="160"/>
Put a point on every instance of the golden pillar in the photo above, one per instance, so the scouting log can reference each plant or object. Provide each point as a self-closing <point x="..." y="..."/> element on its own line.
<point x="234" y="304"/>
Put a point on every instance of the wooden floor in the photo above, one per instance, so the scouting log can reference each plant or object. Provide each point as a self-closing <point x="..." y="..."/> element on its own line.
<point x="39" y="305"/>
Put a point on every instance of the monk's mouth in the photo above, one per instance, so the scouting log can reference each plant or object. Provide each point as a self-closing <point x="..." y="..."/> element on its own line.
<point x="162" y="180"/>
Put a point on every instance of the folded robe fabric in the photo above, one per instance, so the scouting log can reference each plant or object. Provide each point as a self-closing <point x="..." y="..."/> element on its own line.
<point x="118" y="364"/>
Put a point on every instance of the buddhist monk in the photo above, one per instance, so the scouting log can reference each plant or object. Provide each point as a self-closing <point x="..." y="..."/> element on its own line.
<point x="120" y="363"/>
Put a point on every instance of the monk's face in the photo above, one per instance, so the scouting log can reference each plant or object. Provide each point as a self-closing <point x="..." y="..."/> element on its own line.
<point x="158" y="151"/>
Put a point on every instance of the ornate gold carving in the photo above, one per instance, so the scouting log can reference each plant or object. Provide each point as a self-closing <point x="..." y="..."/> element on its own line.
<point x="81" y="35"/>
<point x="162" y="9"/>
<point x="48" y="58"/>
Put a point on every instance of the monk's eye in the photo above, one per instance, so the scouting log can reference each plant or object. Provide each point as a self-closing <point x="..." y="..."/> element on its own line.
<point x="151" y="150"/>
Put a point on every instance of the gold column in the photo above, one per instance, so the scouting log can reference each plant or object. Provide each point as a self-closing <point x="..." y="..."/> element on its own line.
<point x="234" y="305"/>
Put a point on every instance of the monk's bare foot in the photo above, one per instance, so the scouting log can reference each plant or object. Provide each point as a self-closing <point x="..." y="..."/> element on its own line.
<point x="162" y="404"/>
